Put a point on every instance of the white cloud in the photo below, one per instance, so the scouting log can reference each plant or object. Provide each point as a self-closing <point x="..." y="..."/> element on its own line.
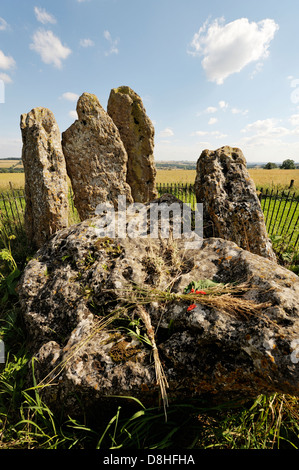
<point x="218" y="135"/>
<point x="5" y="78"/>
<point x="212" y="121"/>
<point x="211" y="110"/>
<point x="3" y="24"/>
<point x="200" y="133"/>
<point x="228" y="48"/>
<point x="69" y="96"/>
<point x="266" y="128"/>
<point x="49" y="47"/>
<point x="43" y="16"/>
<point x="294" y="120"/>
<point x="239" y="111"/>
<point x="215" y="134"/>
<point x="86" y="43"/>
<point x="268" y="133"/>
<point x="6" y="62"/>
<point x="113" y="43"/>
<point x="166" y="132"/>
<point x="73" y="114"/>
<point x="223" y="104"/>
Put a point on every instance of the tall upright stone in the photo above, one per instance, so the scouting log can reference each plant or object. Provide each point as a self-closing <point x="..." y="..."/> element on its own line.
<point x="137" y="133"/>
<point x="46" y="188"/>
<point x="231" y="208"/>
<point x="96" y="158"/>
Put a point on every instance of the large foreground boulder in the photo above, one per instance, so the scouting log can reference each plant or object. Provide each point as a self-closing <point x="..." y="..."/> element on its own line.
<point x="137" y="132"/>
<point x="112" y="317"/>
<point x="232" y="209"/>
<point x="46" y="189"/>
<point x="96" y="159"/>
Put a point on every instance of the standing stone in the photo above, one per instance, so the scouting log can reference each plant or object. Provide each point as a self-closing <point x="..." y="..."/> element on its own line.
<point x="137" y="133"/>
<point x="231" y="208"/>
<point x="46" y="188"/>
<point x="96" y="159"/>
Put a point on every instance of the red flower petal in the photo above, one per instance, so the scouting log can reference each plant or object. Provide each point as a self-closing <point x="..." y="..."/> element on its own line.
<point x="191" y="307"/>
<point x="201" y="292"/>
<point x="192" y="291"/>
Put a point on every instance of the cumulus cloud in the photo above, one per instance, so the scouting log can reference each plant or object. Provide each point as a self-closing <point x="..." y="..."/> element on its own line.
<point x="3" y="24"/>
<point x="49" y="47"/>
<point x="215" y="134"/>
<point x="69" y="96"/>
<point x="239" y="111"/>
<point x="266" y="127"/>
<point x="294" y="120"/>
<point x="43" y="16"/>
<point x="5" y="78"/>
<point x="228" y="48"/>
<point x="223" y="104"/>
<point x="6" y="62"/>
<point x="166" y="132"/>
<point x="269" y="133"/>
<point x="113" y="43"/>
<point x="211" y="110"/>
<point x="212" y="121"/>
<point x="73" y="114"/>
<point x="86" y="43"/>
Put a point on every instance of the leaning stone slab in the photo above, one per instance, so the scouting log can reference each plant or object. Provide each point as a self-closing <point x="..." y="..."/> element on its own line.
<point x="137" y="133"/>
<point x="46" y="189"/>
<point x="238" y="340"/>
<point x="231" y="207"/>
<point x="96" y="159"/>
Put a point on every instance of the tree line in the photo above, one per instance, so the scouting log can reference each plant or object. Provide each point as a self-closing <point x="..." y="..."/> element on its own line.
<point x="287" y="164"/>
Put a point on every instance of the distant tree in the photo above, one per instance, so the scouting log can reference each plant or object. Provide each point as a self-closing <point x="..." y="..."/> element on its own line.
<point x="288" y="165"/>
<point x="270" y="166"/>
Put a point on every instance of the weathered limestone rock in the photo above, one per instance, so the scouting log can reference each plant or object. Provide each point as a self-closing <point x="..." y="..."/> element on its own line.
<point x="137" y="133"/>
<point x="96" y="159"/>
<point x="231" y="207"/>
<point x="46" y="189"/>
<point x="238" y="340"/>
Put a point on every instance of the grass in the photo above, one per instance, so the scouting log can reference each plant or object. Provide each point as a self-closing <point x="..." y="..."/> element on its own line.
<point x="28" y="423"/>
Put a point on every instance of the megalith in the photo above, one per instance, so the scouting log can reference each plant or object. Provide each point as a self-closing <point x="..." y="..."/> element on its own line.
<point x="96" y="159"/>
<point x="137" y="133"/>
<point x="231" y="207"/>
<point x="46" y="188"/>
<point x="235" y="340"/>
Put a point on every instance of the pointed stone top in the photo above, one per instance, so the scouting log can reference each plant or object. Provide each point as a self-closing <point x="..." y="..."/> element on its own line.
<point x="88" y="106"/>
<point x="38" y="116"/>
<point x="226" y="152"/>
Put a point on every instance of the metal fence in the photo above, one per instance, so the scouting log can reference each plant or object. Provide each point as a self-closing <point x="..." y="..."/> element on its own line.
<point x="281" y="210"/>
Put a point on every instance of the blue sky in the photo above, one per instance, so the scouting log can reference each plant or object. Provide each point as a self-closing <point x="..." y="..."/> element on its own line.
<point x="209" y="73"/>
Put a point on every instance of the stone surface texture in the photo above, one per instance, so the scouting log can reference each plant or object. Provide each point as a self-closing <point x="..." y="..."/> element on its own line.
<point x="231" y="207"/>
<point x="96" y="159"/>
<point x="137" y="133"/>
<point x="79" y="282"/>
<point x="46" y="190"/>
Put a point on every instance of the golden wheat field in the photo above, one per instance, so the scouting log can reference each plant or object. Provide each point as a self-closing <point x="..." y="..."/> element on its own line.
<point x="10" y="163"/>
<point x="263" y="178"/>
